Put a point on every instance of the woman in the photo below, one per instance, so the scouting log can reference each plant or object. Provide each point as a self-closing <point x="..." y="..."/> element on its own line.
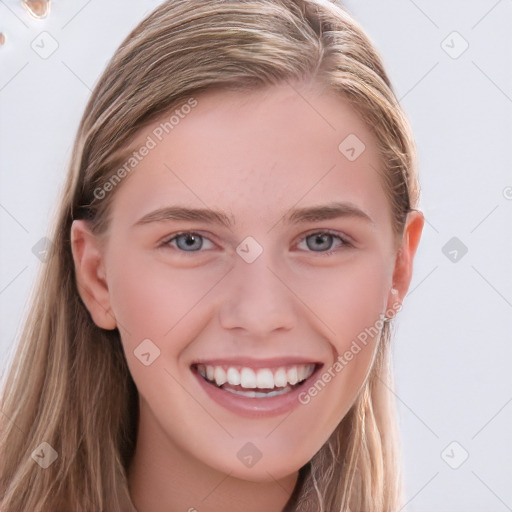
<point x="189" y="345"/>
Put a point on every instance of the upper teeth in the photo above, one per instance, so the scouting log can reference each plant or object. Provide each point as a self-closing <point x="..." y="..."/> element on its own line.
<point x="258" y="378"/>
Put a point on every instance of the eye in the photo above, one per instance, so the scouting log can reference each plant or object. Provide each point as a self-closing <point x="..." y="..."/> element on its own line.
<point x="322" y="241"/>
<point x="187" y="241"/>
<point x="319" y="241"/>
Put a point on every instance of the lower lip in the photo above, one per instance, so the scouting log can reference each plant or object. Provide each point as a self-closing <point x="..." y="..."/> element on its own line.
<point x="255" y="407"/>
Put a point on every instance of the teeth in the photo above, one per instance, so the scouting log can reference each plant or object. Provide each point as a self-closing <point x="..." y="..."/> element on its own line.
<point x="293" y="375"/>
<point x="219" y="375"/>
<point x="255" y="394"/>
<point x="280" y="380"/>
<point x="263" y="378"/>
<point x="233" y="377"/>
<point x="247" y="378"/>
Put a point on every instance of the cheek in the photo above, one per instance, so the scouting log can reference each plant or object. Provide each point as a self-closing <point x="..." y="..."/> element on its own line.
<point x="349" y="302"/>
<point x="138" y="298"/>
<point x="348" y="299"/>
<point x="351" y="306"/>
<point x="150" y="298"/>
<point x="153" y="300"/>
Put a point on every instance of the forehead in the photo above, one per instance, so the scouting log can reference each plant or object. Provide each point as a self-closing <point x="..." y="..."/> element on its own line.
<point x="256" y="154"/>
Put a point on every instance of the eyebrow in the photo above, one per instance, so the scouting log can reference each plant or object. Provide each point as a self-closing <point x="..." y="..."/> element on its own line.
<point x="314" y="213"/>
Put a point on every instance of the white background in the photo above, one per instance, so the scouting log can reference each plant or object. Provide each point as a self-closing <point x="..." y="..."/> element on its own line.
<point x="453" y="343"/>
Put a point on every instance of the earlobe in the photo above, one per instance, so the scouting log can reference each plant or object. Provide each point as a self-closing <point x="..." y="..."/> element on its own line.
<point x="402" y="274"/>
<point x="90" y="275"/>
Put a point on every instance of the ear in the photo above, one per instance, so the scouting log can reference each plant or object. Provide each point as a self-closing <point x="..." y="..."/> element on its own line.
<point x="90" y="274"/>
<point x="402" y="273"/>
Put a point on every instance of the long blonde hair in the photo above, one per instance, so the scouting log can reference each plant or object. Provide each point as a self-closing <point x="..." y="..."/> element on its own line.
<point x="69" y="384"/>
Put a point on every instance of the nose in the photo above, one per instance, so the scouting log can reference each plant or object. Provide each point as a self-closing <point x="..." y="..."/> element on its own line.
<point x="257" y="298"/>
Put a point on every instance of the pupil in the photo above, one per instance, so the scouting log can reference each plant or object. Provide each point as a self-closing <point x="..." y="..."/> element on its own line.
<point x="190" y="240"/>
<point x="321" y="239"/>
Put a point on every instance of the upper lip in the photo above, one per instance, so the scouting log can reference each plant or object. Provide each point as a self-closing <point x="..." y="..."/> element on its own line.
<point x="257" y="363"/>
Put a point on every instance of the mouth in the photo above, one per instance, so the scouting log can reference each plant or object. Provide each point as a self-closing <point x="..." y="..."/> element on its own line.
<point x="255" y="389"/>
<point x="251" y="382"/>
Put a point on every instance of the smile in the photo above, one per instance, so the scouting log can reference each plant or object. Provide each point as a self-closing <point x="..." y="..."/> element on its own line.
<point x="254" y="391"/>
<point x="274" y="380"/>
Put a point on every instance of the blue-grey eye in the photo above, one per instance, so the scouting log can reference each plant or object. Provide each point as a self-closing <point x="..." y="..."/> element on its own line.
<point x="190" y="241"/>
<point x="322" y="241"/>
<point x="187" y="241"/>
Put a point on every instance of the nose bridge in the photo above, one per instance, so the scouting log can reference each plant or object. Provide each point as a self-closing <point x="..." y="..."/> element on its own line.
<point x="255" y="297"/>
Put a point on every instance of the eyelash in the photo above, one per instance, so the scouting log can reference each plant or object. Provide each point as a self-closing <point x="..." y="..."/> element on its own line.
<point x="345" y="242"/>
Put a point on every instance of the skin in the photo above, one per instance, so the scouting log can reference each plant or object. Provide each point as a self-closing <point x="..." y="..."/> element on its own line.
<point x="255" y="156"/>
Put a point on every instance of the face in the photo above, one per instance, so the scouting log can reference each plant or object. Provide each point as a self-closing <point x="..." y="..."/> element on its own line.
<point x="275" y="292"/>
